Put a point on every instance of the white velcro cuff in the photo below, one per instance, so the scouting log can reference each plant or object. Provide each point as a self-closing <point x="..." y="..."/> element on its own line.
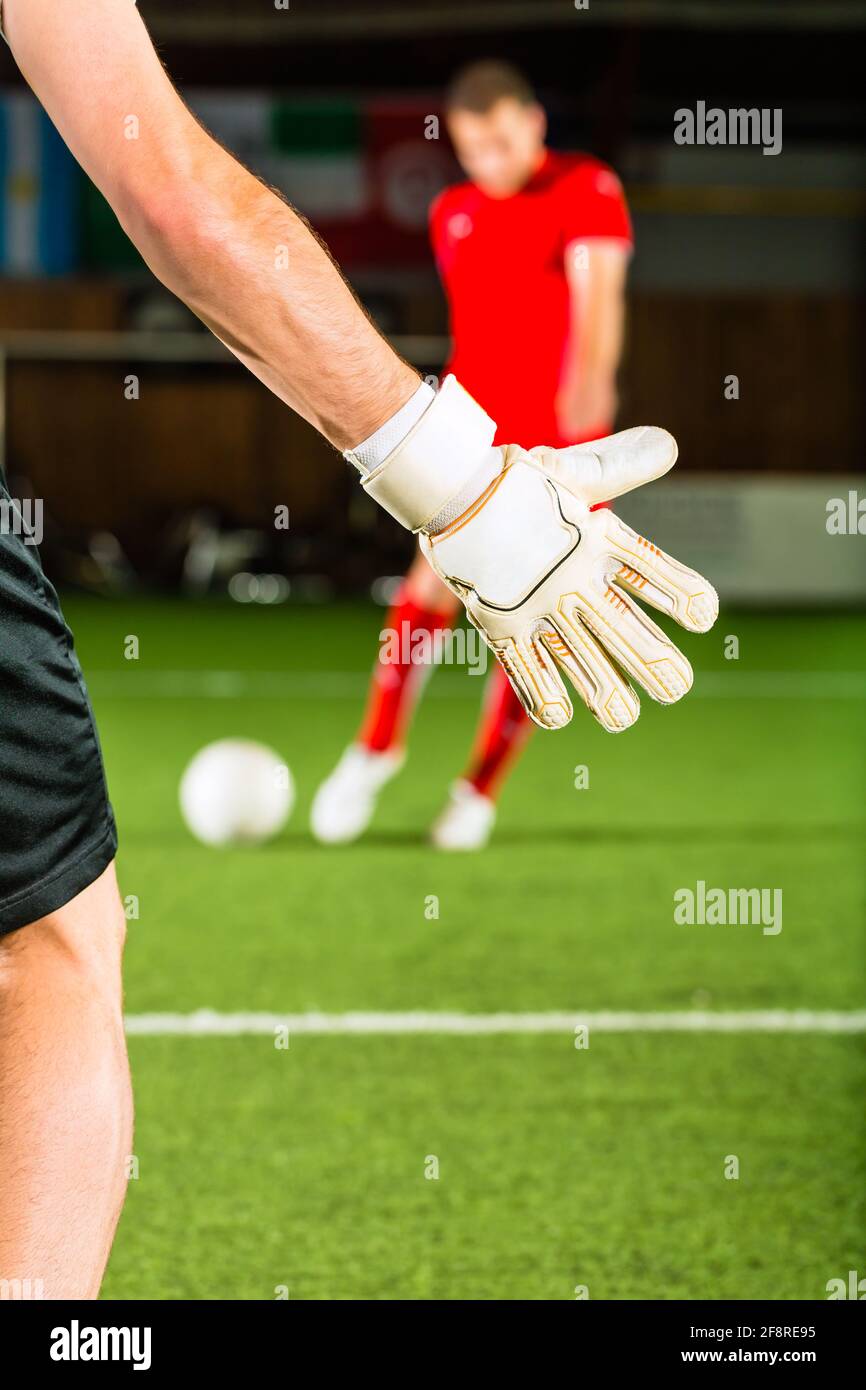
<point x="435" y="461"/>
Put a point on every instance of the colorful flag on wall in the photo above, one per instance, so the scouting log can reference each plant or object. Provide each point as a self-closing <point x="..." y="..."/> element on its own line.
<point x="39" y="192"/>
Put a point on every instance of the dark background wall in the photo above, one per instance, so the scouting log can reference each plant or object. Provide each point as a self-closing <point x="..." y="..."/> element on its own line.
<point x="745" y="264"/>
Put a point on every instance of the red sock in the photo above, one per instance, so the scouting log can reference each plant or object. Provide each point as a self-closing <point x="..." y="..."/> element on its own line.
<point x="397" y="685"/>
<point x="503" y="730"/>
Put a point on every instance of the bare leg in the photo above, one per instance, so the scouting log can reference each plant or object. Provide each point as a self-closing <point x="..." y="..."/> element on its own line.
<point x="65" y="1098"/>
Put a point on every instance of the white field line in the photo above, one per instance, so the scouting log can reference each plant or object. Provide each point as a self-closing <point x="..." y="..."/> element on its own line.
<point x="210" y="1023"/>
<point x="337" y="685"/>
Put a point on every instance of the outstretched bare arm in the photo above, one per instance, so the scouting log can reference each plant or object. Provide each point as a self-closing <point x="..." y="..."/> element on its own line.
<point x="232" y="249"/>
<point x="512" y="534"/>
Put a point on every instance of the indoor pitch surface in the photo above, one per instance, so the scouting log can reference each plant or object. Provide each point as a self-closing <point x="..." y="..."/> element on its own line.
<point x="265" y="1170"/>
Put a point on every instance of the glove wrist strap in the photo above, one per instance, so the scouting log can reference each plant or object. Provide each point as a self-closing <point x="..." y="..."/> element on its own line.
<point x="371" y="452"/>
<point x="435" y="462"/>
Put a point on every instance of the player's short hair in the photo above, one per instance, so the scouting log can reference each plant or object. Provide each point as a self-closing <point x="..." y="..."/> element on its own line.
<point x="480" y="86"/>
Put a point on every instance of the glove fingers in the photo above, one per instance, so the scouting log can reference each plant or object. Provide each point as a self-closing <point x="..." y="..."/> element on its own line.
<point x="532" y="671"/>
<point x="661" y="581"/>
<point x="637" y="644"/>
<point x="601" y="687"/>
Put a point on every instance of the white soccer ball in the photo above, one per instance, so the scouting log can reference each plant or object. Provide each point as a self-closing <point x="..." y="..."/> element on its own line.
<point x="236" y="792"/>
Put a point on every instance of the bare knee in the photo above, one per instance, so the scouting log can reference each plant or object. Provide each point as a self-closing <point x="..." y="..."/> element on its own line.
<point x="81" y="943"/>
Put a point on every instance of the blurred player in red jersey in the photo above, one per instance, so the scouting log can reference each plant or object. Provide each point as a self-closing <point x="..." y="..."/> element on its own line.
<point x="533" y="251"/>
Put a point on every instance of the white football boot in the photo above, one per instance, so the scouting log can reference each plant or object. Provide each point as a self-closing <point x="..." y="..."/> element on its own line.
<point x="344" y="804"/>
<point x="467" y="820"/>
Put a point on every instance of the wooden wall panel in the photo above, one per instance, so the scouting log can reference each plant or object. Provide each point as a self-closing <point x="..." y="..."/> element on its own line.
<point x="215" y="436"/>
<point x="799" y="361"/>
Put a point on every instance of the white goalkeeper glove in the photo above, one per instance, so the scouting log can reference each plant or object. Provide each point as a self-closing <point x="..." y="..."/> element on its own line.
<point x="544" y="579"/>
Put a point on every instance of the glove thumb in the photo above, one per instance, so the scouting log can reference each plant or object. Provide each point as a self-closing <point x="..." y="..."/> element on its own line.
<point x="607" y="468"/>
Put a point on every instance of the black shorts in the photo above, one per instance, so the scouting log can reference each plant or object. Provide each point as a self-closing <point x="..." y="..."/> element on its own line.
<point x="57" y="831"/>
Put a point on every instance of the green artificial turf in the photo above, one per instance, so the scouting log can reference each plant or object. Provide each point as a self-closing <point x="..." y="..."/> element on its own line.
<point x="262" y="1168"/>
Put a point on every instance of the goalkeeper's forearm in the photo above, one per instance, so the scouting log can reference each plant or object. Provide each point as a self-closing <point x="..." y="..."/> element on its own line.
<point x="224" y="243"/>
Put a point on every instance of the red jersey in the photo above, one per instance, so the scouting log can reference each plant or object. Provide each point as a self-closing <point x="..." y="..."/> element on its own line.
<point x="502" y="263"/>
